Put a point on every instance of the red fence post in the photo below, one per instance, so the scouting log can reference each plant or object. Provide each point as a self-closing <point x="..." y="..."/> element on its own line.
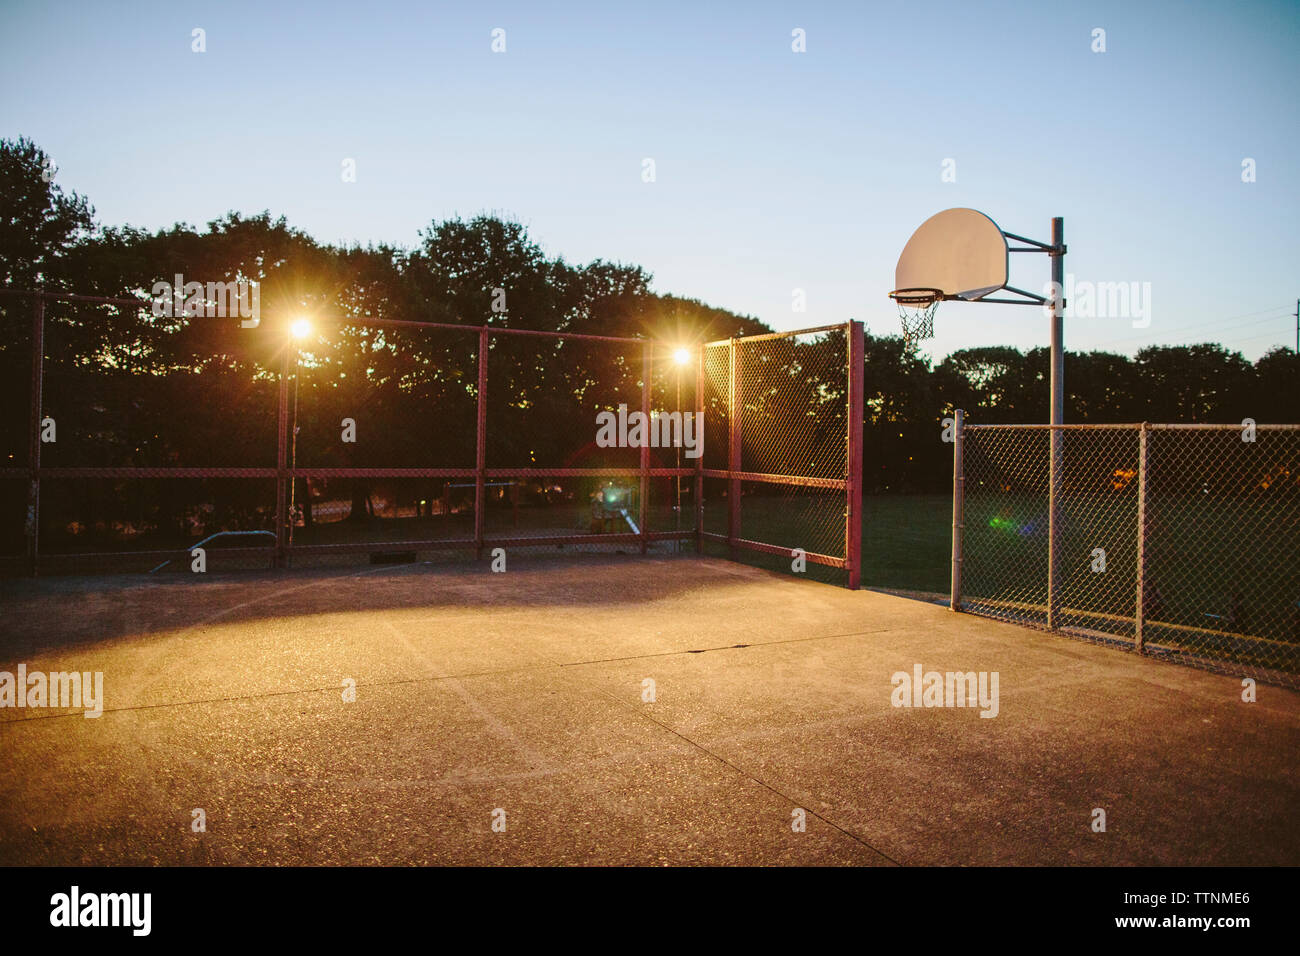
<point x="853" y="506"/>
<point x="733" y="451"/>
<point x="699" y="462"/>
<point x="647" y="370"/>
<point x="480" y="459"/>
<point x="281" y="457"/>
<point x="34" y="450"/>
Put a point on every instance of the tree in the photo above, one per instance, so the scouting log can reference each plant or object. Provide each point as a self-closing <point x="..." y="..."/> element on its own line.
<point x="1276" y="396"/>
<point x="39" y="222"/>
<point x="902" y="451"/>
<point x="1194" y="383"/>
<point x="995" y="384"/>
<point x="1102" y="388"/>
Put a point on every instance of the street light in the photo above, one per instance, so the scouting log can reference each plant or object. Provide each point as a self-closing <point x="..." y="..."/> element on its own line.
<point x="299" y="329"/>
<point x="681" y="357"/>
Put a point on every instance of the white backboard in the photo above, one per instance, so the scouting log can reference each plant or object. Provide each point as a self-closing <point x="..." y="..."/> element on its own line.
<point x="961" y="251"/>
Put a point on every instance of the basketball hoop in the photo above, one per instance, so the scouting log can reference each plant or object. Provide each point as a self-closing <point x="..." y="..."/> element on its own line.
<point x="916" y="311"/>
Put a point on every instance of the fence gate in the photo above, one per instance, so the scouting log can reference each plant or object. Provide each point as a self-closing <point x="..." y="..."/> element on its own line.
<point x="782" y="470"/>
<point x="1178" y="541"/>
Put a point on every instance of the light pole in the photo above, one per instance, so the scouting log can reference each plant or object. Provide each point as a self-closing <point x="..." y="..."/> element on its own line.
<point x="680" y="358"/>
<point x="298" y="331"/>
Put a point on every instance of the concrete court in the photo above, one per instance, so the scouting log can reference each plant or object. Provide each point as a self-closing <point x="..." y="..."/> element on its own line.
<point x="523" y="691"/>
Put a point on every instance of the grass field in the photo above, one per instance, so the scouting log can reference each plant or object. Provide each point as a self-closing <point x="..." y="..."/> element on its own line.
<point x="906" y="539"/>
<point x="907" y="542"/>
<point x="1222" y="575"/>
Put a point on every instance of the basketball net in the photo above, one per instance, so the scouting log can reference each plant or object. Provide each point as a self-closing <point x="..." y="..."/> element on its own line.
<point x="916" y="309"/>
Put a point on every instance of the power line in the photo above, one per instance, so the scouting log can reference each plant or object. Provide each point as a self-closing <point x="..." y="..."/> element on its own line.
<point x="1214" y="323"/>
<point x="1251" y="338"/>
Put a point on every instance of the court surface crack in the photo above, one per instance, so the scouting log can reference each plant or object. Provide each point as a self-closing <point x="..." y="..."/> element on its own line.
<point x="428" y="679"/>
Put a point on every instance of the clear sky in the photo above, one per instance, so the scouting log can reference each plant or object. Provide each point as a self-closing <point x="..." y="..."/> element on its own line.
<point x="775" y="170"/>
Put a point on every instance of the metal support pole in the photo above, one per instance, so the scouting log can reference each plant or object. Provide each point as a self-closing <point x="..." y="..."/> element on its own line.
<point x="293" y="446"/>
<point x="1057" y="309"/>
<point x="282" y="458"/>
<point x="733" y="450"/>
<point x="1141" y="614"/>
<point x="958" y="504"/>
<point x="34" y="448"/>
<point x="699" y="462"/>
<point x="480" y="454"/>
<point x="856" y="414"/>
<point x="677" y="479"/>
<point x="647" y="371"/>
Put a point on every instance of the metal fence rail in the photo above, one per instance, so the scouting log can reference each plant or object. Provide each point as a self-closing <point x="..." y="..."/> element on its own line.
<point x="1178" y="541"/>
<point x="783" y="451"/>
<point x="384" y="437"/>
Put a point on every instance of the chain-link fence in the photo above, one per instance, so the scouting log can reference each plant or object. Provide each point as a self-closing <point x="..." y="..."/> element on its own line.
<point x="143" y="436"/>
<point x="783" y="472"/>
<point x="1180" y="541"/>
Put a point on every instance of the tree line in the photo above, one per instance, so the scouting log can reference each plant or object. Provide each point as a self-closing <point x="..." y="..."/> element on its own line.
<point x="129" y="388"/>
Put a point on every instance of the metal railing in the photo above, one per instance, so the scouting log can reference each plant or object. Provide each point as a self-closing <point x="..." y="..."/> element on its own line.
<point x="367" y="436"/>
<point x="1178" y="541"/>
